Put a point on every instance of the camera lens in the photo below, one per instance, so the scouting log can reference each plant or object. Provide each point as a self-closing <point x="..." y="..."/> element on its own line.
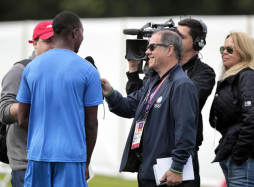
<point x="139" y="49"/>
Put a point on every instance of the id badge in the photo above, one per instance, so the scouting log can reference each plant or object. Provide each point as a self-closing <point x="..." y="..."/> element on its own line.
<point x="138" y="133"/>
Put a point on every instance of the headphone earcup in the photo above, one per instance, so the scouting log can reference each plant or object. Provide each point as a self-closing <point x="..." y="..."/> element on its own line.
<point x="199" y="43"/>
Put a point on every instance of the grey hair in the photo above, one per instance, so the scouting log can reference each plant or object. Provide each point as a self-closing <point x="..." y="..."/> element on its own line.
<point x="172" y="38"/>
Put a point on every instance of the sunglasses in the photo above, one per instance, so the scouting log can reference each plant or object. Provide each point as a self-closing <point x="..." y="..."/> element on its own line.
<point x="151" y="46"/>
<point x="229" y="49"/>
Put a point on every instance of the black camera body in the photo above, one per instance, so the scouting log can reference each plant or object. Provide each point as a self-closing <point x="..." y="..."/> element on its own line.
<point x="136" y="48"/>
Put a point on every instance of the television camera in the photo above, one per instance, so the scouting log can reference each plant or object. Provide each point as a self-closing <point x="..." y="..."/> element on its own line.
<point x="136" y="48"/>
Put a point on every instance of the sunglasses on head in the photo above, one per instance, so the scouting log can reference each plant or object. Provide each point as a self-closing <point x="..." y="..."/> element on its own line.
<point x="229" y="49"/>
<point x="151" y="46"/>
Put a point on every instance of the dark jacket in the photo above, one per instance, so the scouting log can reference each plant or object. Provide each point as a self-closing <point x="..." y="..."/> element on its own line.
<point x="234" y="120"/>
<point x="171" y="125"/>
<point x="203" y="77"/>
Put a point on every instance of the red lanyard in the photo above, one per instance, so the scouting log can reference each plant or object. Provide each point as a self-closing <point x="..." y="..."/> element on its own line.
<point x="153" y="94"/>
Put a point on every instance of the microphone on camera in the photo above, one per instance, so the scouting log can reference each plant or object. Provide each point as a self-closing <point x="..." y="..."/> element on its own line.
<point x="144" y="33"/>
<point x="132" y="31"/>
<point x="90" y="59"/>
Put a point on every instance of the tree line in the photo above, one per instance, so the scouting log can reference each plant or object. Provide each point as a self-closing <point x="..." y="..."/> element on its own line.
<point x="11" y="10"/>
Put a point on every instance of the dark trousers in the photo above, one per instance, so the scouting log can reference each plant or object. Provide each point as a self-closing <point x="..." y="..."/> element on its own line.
<point x="17" y="178"/>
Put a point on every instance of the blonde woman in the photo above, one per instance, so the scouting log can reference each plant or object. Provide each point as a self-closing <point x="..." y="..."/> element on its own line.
<point x="232" y="111"/>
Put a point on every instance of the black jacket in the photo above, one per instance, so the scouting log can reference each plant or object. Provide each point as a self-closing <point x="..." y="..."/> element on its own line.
<point x="234" y="120"/>
<point x="203" y="77"/>
<point x="171" y="123"/>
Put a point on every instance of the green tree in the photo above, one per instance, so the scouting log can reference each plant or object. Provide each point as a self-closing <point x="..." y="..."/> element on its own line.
<point x="48" y="9"/>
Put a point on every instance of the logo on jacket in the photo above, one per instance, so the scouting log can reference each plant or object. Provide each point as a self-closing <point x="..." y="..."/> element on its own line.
<point x="247" y="103"/>
<point x="158" y="102"/>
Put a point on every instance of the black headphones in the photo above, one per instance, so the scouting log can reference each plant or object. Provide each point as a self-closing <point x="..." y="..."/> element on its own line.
<point x="200" y="42"/>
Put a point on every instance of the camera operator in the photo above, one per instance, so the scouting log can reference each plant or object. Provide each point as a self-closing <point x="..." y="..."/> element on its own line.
<point x="193" y="33"/>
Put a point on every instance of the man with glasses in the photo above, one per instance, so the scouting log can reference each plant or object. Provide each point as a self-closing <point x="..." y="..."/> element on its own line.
<point x="193" y="33"/>
<point x="154" y="133"/>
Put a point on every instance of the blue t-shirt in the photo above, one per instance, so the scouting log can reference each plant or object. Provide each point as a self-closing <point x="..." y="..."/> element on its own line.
<point x="58" y="84"/>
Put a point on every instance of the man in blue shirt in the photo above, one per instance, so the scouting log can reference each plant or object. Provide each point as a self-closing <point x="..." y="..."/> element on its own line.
<point x="58" y="99"/>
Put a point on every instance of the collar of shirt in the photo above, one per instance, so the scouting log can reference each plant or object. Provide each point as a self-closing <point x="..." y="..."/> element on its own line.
<point x="190" y="64"/>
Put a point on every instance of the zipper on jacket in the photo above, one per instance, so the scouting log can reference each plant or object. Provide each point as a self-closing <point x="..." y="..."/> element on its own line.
<point x="144" y="131"/>
<point x="215" y="122"/>
<point x="247" y="171"/>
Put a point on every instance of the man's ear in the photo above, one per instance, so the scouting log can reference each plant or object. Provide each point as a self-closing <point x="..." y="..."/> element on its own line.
<point x="170" y="50"/>
<point x="75" y="33"/>
<point x="35" y="44"/>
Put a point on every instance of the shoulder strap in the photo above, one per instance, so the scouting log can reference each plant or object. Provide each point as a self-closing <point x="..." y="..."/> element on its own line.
<point x="3" y="129"/>
<point x="24" y="62"/>
<point x="235" y="86"/>
<point x="235" y="91"/>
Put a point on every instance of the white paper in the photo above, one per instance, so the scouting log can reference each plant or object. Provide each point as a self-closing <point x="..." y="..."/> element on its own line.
<point x="156" y="171"/>
<point x="163" y="165"/>
<point x="90" y="173"/>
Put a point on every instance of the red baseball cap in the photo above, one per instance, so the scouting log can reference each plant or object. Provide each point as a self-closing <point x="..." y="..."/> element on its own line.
<point x="43" y="30"/>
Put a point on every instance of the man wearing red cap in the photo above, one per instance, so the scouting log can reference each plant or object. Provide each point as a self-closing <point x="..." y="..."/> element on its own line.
<point x="43" y="40"/>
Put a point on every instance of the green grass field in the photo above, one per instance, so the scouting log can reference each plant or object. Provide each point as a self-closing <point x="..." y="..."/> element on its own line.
<point x="104" y="181"/>
<point x="99" y="181"/>
<point x="2" y="176"/>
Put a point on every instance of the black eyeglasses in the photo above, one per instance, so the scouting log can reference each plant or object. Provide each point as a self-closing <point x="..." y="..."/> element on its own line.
<point x="229" y="49"/>
<point x="151" y="46"/>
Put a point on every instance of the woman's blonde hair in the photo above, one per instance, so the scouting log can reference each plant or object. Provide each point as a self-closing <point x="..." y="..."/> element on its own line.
<point x="244" y="44"/>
